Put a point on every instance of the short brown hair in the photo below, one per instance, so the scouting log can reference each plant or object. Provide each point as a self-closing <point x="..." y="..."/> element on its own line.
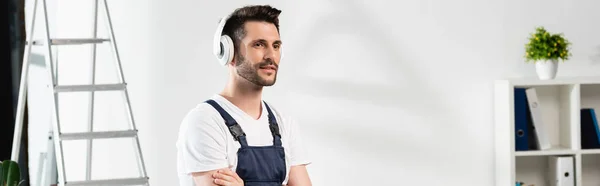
<point x="234" y="27"/>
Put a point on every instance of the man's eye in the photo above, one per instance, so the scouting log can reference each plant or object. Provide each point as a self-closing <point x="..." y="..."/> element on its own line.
<point x="258" y="44"/>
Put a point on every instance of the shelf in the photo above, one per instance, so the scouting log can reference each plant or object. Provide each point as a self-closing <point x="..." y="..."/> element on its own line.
<point x="560" y="102"/>
<point x="538" y="170"/>
<point x="550" y="152"/>
<point x="534" y="81"/>
<point x="590" y="99"/>
<point x="557" y="151"/>
<point x="532" y="170"/>
<point x="557" y="104"/>
<point x="590" y="167"/>
<point x="590" y="151"/>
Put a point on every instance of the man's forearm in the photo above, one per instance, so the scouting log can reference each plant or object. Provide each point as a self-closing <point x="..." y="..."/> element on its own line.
<point x="204" y="178"/>
<point x="299" y="176"/>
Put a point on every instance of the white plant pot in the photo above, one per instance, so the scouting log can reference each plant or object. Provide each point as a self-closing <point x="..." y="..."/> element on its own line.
<point x="546" y="69"/>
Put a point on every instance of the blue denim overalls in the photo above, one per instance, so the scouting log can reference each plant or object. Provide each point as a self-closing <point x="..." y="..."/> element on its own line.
<point x="257" y="165"/>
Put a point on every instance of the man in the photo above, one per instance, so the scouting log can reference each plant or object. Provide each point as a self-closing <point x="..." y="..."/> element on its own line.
<point x="236" y="138"/>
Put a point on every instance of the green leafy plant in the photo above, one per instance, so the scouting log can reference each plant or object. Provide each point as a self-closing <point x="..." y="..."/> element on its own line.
<point x="10" y="174"/>
<point x="547" y="46"/>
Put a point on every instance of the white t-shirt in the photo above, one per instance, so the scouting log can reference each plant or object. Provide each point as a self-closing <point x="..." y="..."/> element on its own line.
<point x="205" y="142"/>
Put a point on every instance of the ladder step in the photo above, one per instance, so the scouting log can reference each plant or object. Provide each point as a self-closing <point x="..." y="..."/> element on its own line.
<point x="71" y="41"/>
<point x="98" y="135"/>
<point x="88" y="88"/>
<point x="121" y="181"/>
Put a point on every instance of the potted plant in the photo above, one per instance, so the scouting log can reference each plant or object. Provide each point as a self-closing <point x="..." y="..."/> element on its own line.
<point x="546" y="50"/>
<point x="10" y="174"/>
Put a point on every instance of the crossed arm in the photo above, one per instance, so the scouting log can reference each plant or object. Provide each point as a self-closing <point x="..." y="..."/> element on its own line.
<point x="226" y="177"/>
<point x="299" y="176"/>
<point x="203" y="144"/>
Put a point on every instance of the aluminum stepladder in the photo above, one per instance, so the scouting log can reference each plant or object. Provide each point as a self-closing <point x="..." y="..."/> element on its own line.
<point x="53" y="162"/>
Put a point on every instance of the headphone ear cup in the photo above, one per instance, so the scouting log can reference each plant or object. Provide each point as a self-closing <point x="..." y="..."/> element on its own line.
<point x="226" y="49"/>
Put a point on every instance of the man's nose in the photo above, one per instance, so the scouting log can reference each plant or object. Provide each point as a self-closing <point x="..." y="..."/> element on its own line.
<point x="271" y="54"/>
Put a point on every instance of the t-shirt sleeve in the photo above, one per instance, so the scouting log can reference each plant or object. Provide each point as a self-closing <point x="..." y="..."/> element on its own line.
<point x="298" y="152"/>
<point x="201" y="144"/>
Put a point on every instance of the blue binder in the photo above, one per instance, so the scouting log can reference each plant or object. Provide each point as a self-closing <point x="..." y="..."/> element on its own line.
<point x="525" y="135"/>
<point x="590" y="132"/>
<point x="521" y="120"/>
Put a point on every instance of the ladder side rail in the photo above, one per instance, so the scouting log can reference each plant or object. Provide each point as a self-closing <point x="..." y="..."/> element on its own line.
<point x="55" y="119"/>
<point x="16" y="147"/>
<point x="88" y="175"/>
<point x="117" y="59"/>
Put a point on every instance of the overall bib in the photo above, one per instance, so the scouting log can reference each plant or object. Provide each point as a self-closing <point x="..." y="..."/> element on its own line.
<point x="257" y="165"/>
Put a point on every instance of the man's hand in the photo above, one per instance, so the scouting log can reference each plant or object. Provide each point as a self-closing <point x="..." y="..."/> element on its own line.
<point x="226" y="177"/>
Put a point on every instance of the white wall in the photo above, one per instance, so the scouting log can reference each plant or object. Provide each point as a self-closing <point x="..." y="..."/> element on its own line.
<point x="413" y="76"/>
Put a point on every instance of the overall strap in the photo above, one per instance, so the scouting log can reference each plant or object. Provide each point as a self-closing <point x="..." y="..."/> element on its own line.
<point x="235" y="129"/>
<point x="274" y="127"/>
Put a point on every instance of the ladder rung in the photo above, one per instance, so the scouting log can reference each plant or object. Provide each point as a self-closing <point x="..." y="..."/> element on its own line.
<point x="97" y="87"/>
<point x="71" y="41"/>
<point x="119" y="181"/>
<point x="98" y="135"/>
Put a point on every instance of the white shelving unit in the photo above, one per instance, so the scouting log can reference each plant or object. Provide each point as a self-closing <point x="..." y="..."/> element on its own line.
<point x="560" y="101"/>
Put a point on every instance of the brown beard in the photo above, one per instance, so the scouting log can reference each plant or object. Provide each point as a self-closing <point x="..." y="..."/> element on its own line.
<point x="250" y="72"/>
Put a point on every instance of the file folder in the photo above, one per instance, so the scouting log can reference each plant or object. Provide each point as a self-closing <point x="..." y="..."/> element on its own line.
<point x="561" y="170"/>
<point x="543" y="138"/>
<point x="525" y="137"/>
<point x="521" y="120"/>
<point x="590" y="133"/>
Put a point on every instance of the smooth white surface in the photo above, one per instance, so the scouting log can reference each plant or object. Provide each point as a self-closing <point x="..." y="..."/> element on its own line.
<point x="414" y="77"/>
<point x="547" y="69"/>
<point x="504" y="163"/>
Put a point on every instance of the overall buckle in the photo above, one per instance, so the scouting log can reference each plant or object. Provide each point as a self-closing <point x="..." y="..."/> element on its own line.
<point x="236" y="131"/>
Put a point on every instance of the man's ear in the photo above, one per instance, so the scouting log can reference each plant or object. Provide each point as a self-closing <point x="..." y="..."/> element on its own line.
<point x="233" y="61"/>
